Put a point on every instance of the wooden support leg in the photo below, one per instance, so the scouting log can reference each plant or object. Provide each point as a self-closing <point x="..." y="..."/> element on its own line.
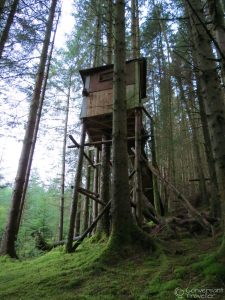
<point x="77" y="181"/>
<point x="137" y="167"/>
<point x="92" y="226"/>
<point x="96" y="184"/>
<point x="105" y="185"/>
<point x="87" y="200"/>
<point x="77" y="221"/>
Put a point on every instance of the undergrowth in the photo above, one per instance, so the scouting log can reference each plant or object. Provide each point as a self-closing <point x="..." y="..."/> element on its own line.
<point x="189" y="266"/>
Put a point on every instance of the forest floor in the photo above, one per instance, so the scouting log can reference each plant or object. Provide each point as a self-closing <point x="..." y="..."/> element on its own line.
<point x="186" y="270"/>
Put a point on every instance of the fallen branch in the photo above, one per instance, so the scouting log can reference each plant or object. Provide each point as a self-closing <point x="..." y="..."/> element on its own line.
<point x="41" y="244"/>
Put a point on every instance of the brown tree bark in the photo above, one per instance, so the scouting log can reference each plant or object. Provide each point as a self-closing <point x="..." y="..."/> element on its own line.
<point x="7" y="27"/>
<point x="110" y="32"/>
<point x="124" y="230"/>
<point x="37" y="123"/>
<point x="213" y="97"/>
<point x="10" y="236"/>
<point x="214" y="197"/>
<point x="216" y="11"/>
<point x="135" y="37"/>
<point x="98" y="32"/>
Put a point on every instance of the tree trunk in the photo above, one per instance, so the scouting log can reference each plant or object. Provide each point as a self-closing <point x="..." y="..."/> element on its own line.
<point x="62" y="198"/>
<point x="157" y="201"/>
<point x="216" y="11"/>
<point x="124" y="231"/>
<point x="213" y="97"/>
<point x="109" y="32"/>
<point x="37" y="122"/>
<point x="98" y="31"/>
<point x="10" y="236"/>
<point x="135" y="29"/>
<point x="8" y="24"/>
<point x="198" y="160"/>
<point x="2" y="5"/>
<point x="214" y="197"/>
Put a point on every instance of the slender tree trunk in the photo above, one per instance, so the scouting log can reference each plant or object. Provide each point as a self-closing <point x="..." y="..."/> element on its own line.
<point x="124" y="231"/>
<point x="38" y="118"/>
<point x="157" y="200"/>
<point x="216" y="11"/>
<point x="98" y="31"/>
<point x="193" y="125"/>
<point x="62" y="198"/>
<point x="77" y="182"/>
<point x="9" y="22"/>
<point x="214" y="197"/>
<point x="135" y="29"/>
<point x="2" y="5"/>
<point x="10" y="236"/>
<point x="109" y="32"/>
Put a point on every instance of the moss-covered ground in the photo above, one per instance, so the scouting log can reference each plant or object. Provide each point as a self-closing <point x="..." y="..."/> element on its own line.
<point x="184" y="270"/>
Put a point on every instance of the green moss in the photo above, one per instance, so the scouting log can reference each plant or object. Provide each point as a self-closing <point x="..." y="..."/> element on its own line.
<point x="84" y="275"/>
<point x="180" y="272"/>
<point x="215" y="269"/>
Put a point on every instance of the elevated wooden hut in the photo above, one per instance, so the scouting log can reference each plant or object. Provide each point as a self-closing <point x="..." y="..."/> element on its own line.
<point x="98" y="96"/>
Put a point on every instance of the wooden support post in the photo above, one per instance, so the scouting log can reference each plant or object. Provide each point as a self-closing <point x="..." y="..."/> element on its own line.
<point x="79" y="241"/>
<point x="86" y="193"/>
<point x="105" y="185"/>
<point x="99" y="143"/>
<point x="137" y="166"/>
<point x="76" y="145"/>
<point x="87" y="200"/>
<point x="77" y="229"/>
<point x="77" y="181"/>
<point x="96" y="183"/>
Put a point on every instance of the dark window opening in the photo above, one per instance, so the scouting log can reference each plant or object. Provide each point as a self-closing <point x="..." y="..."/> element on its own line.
<point x="107" y="76"/>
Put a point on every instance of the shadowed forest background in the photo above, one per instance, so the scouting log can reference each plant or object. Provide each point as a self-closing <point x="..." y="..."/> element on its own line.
<point x="145" y="190"/>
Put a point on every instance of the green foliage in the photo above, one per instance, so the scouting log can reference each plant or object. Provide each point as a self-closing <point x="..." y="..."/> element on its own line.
<point x="41" y="213"/>
<point x="5" y="195"/>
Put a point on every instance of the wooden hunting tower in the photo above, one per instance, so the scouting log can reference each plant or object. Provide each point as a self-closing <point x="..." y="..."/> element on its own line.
<point x="96" y="115"/>
<point x="98" y="96"/>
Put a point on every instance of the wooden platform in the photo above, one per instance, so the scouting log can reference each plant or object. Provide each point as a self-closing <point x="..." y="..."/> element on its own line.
<point x="99" y="125"/>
